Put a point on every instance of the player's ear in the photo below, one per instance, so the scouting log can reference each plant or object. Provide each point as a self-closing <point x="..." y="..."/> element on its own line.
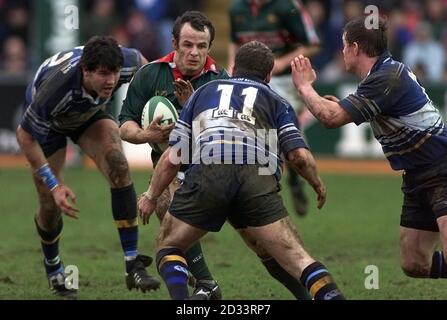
<point x="356" y="48"/>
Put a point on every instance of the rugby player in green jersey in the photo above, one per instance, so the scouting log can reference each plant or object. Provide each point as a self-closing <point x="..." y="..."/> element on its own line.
<point x="175" y="76"/>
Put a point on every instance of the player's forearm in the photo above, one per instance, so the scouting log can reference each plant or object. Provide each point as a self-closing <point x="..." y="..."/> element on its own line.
<point x="163" y="175"/>
<point x="304" y="163"/>
<point x="326" y="111"/>
<point x="31" y="149"/>
<point x="131" y="132"/>
<point x="283" y="62"/>
<point x="232" y="48"/>
<point x="308" y="51"/>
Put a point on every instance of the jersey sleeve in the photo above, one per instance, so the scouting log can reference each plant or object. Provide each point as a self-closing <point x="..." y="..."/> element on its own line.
<point x="137" y="95"/>
<point x="46" y="99"/>
<point x="375" y="95"/>
<point x="289" y="134"/>
<point x="299" y="23"/>
<point x="132" y="62"/>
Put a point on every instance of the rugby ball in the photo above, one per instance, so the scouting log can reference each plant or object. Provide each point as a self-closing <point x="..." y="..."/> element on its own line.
<point x="158" y="106"/>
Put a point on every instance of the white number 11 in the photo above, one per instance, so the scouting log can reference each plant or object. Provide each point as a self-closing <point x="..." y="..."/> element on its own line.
<point x="250" y="94"/>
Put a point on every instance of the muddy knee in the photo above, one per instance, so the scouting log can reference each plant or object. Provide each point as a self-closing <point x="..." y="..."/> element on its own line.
<point x="117" y="168"/>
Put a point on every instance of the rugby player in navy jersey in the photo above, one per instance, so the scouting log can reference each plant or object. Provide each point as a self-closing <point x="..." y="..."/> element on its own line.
<point x="408" y="126"/>
<point x="67" y="99"/>
<point x="233" y="174"/>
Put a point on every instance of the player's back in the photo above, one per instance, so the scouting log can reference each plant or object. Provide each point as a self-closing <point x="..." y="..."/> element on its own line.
<point x="237" y="121"/>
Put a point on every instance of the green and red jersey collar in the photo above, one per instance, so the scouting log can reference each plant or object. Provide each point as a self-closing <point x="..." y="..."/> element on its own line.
<point x="210" y="66"/>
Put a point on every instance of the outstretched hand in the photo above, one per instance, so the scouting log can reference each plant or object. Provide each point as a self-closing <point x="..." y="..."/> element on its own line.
<point x="302" y="72"/>
<point x="61" y="194"/>
<point x="145" y="208"/>
<point x="183" y="90"/>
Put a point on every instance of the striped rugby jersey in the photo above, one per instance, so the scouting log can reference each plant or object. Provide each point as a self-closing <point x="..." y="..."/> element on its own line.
<point x="237" y="121"/>
<point x="56" y="100"/>
<point x="402" y="116"/>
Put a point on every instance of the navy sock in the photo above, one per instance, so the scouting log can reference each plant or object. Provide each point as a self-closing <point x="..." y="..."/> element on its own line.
<point x="50" y="247"/>
<point x="438" y="266"/>
<point x="318" y="281"/>
<point x="124" y="209"/>
<point x="171" y="265"/>
<point x="294" y="285"/>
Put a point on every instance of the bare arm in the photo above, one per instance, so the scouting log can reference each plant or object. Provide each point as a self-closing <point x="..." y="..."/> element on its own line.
<point x="303" y="162"/>
<point x="326" y="110"/>
<point x="131" y="132"/>
<point x="164" y="173"/>
<point x="31" y="149"/>
<point x="283" y="62"/>
<point x="183" y="90"/>
<point x="36" y="158"/>
<point x="232" y="49"/>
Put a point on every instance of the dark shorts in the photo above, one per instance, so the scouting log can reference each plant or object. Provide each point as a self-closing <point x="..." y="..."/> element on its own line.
<point x="211" y="194"/>
<point x="425" y="197"/>
<point x="55" y="140"/>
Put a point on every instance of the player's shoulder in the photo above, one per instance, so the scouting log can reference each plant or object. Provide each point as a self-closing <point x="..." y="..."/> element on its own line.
<point x="132" y="56"/>
<point x="57" y="84"/>
<point x="150" y="71"/>
<point x="216" y="72"/>
<point x="389" y="70"/>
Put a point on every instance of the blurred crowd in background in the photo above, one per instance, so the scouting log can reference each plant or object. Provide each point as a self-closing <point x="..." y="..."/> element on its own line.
<point x="418" y="32"/>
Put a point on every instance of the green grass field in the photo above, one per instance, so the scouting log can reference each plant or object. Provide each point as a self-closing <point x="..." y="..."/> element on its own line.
<point x="358" y="227"/>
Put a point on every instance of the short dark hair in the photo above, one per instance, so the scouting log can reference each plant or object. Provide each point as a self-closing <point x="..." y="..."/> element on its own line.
<point x="373" y="42"/>
<point x="197" y="20"/>
<point x="102" y="53"/>
<point x="254" y="58"/>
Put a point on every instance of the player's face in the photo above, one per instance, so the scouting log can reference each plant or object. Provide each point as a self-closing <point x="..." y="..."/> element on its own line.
<point x="101" y="82"/>
<point x="348" y="55"/>
<point x="191" y="49"/>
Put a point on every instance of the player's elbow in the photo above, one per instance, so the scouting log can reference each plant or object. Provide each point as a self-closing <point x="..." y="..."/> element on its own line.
<point x="125" y="132"/>
<point x="23" y="137"/>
